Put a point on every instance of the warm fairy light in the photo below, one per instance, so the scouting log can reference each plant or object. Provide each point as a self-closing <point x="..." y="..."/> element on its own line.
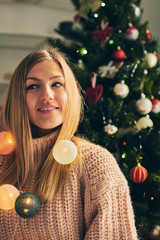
<point x="123" y="155"/>
<point x="7" y="143"/>
<point x="118" y="47"/>
<point x="124" y="143"/>
<point x="130" y="25"/>
<point x="27" y="205"/>
<point x="147" y="30"/>
<point x="26" y="210"/>
<point x="65" y="152"/>
<point x="28" y="201"/>
<point x="103" y="4"/>
<point x="96" y="15"/>
<point x="8" y="196"/>
<point x="152" y="198"/>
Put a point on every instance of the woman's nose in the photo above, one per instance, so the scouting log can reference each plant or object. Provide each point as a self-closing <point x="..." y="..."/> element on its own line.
<point x="46" y="94"/>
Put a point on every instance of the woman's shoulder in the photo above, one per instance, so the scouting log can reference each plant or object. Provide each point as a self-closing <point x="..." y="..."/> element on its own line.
<point x="96" y="152"/>
<point x="98" y="163"/>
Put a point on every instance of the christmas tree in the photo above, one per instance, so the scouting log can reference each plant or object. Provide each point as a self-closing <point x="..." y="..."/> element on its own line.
<point x="115" y="60"/>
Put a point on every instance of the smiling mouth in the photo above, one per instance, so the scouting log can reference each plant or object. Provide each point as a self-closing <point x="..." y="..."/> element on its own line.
<point x="47" y="109"/>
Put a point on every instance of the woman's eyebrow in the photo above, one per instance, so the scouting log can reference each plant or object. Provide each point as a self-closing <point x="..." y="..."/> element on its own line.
<point x="37" y="79"/>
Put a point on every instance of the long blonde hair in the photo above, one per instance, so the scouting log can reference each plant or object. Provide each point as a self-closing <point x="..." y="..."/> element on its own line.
<point x="16" y="120"/>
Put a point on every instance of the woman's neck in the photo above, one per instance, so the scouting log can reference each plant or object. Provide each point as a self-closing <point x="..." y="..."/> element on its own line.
<point x="40" y="132"/>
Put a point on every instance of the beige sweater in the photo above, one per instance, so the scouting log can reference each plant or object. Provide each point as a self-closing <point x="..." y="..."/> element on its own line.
<point x="95" y="205"/>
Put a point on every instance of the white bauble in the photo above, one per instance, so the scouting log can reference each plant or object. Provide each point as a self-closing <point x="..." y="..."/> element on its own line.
<point x="137" y="10"/>
<point x="144" y="105"/>
<point x="144" y="122"/>
<point x="110" y="129"/>
<point x="121" y="89"/>
<point x="8" y="196"/>
<point x="150" y="60"/>
<point x="132" y="34"/>
<point x="65" y="152"/>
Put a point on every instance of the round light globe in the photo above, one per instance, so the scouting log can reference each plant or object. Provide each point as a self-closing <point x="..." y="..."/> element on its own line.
<point x="8" y="196"/>
<point x="65" y="152"/>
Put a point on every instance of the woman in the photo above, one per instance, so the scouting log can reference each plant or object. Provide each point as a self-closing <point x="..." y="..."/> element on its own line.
<point x="87" y="199"/>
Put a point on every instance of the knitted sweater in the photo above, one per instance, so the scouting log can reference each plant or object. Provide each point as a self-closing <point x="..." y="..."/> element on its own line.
<point x="94" y="205"/>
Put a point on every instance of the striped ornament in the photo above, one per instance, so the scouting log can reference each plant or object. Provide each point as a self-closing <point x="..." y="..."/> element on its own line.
<point x="138" y="174"/>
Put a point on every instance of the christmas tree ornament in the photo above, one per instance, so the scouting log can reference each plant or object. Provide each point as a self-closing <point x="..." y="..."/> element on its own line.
<point x="148" y="35"/>
<point x="144" y="122"/>
<point x="27" y="205"/>
<point x="77" y="17"/>
<point x="110" y="70"/>
<point x="121" y="89"/>
<point x="110" y="129"/>
<point x="155" y="105"/>
<point x="137" y="10"/>
<point x="144" y="105"/>
<point x="65" y="152"/>
<point x="156" y="232"/>
<point x="8" y="195"/>
<point x="7" y="143"/>
<point x="104" y="34"/>
<point x="77" y="26"/>
<point x="132" y="34"/>
<point x="155" y="53"/>
<point x="94" y="94"/>
<point x="150" y="60"/>
<point x="138" y="174"/>
<point x="118" y="54"/>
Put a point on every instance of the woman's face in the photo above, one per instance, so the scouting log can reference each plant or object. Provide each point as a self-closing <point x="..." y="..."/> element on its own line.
<point x="46" y="96"/>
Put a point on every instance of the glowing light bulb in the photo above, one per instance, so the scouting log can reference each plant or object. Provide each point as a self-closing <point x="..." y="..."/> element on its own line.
<point x="96" y="15"/>
<point x="8" y="194"/>
<point x="65" y="152"/>
<point x="27" y="205"/>
<point x="103" y="4"/>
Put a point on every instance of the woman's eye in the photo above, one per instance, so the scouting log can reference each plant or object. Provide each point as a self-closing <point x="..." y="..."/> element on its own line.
<point x="57" y="84"/>
<point x="32" y="86"/>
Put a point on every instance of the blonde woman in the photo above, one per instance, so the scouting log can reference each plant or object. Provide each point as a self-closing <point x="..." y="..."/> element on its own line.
<point x="86" y="199"/>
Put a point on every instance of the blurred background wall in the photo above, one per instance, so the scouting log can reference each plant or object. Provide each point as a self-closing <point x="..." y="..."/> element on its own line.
<point x="25" y="24"/>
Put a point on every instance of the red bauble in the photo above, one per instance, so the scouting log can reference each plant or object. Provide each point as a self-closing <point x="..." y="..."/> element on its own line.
<point x="138" y="174"/>
<point x="94" y="94"/>
<point x="7" y="143"/>
<point x="132" y="33"/>
<point x="119" y="54"/>
<point x="155" y="105"/>
<point x="148" y="36"/>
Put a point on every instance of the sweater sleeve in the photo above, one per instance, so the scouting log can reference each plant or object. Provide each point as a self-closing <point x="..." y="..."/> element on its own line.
<point x="108" y="209"/>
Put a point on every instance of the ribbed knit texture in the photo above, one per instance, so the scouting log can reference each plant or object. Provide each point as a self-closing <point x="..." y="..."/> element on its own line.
<point x="94" y="205"/>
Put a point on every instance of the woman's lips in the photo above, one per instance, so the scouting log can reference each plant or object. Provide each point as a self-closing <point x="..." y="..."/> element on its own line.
<point x="48" y="109"/>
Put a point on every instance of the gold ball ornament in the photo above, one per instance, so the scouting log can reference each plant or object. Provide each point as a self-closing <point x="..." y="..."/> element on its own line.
<point x="144" y="122"/>
<point x="144" y="105"/>
<point x="8" y="196"/>
<point x="121" y="90"/>
<point x="7" y="143"/>
<point x="65" y="152"/>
